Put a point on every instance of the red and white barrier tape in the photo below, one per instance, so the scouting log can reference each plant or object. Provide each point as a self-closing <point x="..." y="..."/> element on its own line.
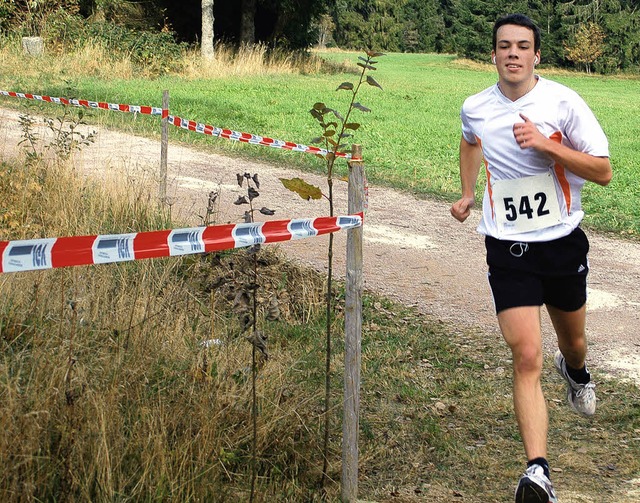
<point x="253" y="139"/>
<point x="48" y="253"/>
<point x="87" y="104"/>
<point x="179" y="122"/>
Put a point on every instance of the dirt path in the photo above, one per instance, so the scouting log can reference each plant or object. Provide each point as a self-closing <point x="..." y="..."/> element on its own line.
<point x="415" y="252"/>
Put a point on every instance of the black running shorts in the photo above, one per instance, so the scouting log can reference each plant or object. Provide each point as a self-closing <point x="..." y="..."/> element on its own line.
<point x="532" y="274"/>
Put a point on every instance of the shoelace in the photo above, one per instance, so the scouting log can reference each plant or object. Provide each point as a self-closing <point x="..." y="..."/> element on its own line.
<point x="584" y="388"/>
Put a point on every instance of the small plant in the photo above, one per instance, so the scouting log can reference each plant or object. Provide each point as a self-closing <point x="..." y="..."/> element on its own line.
<point x="212" y="206"/>
<point x="246" y="307"/>
<point x="66" y="138"/>
<point x="30" y="138"/>
<point x="336" y="129"/>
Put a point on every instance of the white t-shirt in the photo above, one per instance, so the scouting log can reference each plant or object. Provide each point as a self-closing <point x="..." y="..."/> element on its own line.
<point x="559" y="113"/>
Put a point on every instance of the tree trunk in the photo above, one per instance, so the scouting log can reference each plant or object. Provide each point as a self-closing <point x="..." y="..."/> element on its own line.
<point x="325" y="29"/>
<point x="206" y="44"/>
<point x="248" y="22"/>
<point x="279" y="25"/>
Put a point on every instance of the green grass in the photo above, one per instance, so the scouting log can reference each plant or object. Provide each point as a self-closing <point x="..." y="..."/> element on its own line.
<point x="410" y="139"/>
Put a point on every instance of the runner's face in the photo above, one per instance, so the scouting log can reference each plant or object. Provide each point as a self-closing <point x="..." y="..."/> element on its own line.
<point x="514" y="54"/>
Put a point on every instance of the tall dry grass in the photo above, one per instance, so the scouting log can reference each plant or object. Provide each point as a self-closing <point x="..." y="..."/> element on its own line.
<point x="250" y="60"/>
<point x="108" y="388"/>
<point x="60" y="64"/>
<point x="93" y="58"/>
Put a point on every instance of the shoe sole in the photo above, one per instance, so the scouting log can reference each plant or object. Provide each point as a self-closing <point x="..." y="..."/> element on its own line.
<point x="531" y="493"/>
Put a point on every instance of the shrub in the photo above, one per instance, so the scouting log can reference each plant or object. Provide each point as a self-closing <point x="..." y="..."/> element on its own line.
<point x="157" y="52"/>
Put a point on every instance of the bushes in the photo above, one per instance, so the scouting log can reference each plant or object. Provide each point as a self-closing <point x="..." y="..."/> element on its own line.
<point x="29" y="17"/>
<point x="154" y="52"/>
<point x="157" y="52"/>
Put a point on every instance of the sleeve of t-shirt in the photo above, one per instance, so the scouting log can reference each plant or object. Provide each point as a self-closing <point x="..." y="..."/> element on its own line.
<point x="467" y="131"/>
<point x="583" y="129"/>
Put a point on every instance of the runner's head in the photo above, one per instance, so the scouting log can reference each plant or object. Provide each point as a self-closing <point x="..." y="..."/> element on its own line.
<point x="518" y="20"/>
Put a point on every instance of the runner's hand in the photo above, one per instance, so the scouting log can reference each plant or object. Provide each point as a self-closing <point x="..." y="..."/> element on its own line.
<point x="461" y="209"/>
<point x="527" y="134"/>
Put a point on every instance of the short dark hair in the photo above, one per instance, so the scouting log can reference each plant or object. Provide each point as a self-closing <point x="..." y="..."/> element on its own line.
<point x="518" y="20"/>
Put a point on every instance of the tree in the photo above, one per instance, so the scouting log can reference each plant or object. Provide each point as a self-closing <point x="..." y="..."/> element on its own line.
<point x="622" y="46"/>
<point x="325" y="26"/>
<point x="472" y="26"/>
<point x="376" y="24"/>
<point x="290" y="23"/>
<point x="586" y="47"/>
<point x="248" y="22"/>
<point x="423" y="26"/>
<point x="206" y="44"/>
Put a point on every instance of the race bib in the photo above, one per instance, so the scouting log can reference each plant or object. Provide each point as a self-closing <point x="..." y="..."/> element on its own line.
<point x="525" y="204"/>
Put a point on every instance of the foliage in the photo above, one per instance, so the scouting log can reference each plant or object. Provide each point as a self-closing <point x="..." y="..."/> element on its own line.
<point x="22" y="187"/>
<point x="66" y="136"/>
<point x="325" y="27"/>
<point x="287" y="24"/>
<point x="131" y="14"/>
<point x="7" y="10"/>
<point x="305" y="190"/>
<point x="18" y="185"/>
<point x="63" y="28"/>
<point x="622" y="43"/>
<point x="155" y="51"/>
<point x="586" y="47"/>
<point x="465" y="27"/>
<point x="424" y="27"/>
<point x="30" y="17"/>
<point x="335" y="132"/>
<point x="246" y="307"/>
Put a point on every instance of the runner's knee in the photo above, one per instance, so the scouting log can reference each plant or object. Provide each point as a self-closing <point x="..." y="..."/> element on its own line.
<point x="527" y="359"/>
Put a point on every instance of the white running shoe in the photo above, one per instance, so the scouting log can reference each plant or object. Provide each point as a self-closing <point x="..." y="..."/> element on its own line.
<point x="535" y="487"/>
<point x="581" y="397"/>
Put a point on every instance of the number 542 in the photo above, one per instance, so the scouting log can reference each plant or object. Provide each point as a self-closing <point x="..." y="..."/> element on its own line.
<point x="525" y="207"/>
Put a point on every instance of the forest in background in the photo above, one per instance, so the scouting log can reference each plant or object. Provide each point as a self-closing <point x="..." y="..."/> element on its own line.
<point x="591" y="35"/>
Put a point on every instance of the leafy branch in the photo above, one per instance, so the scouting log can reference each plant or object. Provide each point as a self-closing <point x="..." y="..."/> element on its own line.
<point x="337" y="129"/>
<point x="333" y="132"/>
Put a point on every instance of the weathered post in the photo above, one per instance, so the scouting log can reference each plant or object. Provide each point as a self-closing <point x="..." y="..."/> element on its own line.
<point x="353" y="333"/>
<point x="164" y="147"/>
<point x="33" y="46"/>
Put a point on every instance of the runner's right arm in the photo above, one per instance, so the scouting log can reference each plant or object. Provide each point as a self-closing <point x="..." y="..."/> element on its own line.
<point x="470" y="161"/>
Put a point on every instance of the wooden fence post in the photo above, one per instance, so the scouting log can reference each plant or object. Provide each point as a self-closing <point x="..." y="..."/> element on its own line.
<point x="353" y="333"/>
<point x="164" y="147"/>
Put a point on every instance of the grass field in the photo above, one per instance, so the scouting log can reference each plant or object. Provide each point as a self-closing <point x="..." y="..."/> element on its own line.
<point x="410" y="138"/>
